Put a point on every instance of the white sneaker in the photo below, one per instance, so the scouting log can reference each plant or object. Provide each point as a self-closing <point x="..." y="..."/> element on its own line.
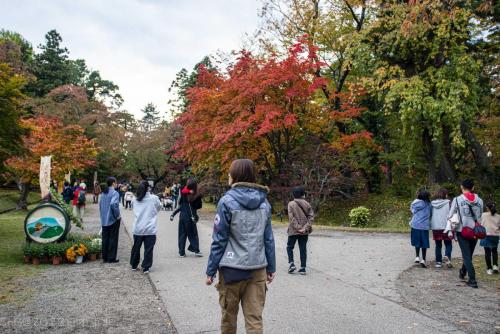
<point x="199" y="254"/>
<point x="417" y="260"/>
<point x="438" y="265"/>
<point x="495" y="269"/>
<point x="423" y="264"/>
<point x="489" y="271"/>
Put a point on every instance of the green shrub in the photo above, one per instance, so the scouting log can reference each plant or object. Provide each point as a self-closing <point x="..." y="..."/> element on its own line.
<point x="359" y="217"/>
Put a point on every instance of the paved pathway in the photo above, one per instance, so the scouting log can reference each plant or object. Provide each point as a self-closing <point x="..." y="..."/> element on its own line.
<point x="350" y="286"/>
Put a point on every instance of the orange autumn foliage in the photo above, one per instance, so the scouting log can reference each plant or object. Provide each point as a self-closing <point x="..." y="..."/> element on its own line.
<point x="262" y="109"/>
<point x="70" y="149"/>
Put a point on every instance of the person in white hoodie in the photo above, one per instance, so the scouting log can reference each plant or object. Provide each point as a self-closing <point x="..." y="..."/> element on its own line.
<point x="145" y="207"/>
<point x="470" y="209"/>
<point x="440" y="208"/>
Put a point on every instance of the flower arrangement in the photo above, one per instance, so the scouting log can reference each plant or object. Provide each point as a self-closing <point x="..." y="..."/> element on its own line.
<point x="74" y="251"/>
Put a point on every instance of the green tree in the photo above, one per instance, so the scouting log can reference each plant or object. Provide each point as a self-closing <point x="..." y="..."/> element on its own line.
<point x="151" y="118"/>
<point x="52" y="66"/>
<point x="11" y="98"/>
<point x="183" y="81"/>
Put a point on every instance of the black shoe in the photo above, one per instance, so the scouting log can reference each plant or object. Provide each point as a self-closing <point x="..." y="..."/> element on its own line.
<point x="461" y="274"/>
<point x="302" y="271"/>
<point x="113" y="261"/>
<point x="472" y="284"/>
<point x="292" y="268"/>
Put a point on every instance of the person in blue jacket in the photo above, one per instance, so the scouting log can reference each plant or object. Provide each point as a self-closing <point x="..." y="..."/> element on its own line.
<point x="109" y="211"/>
<point x="243" y="250"/>
<point x="420" y="225"/>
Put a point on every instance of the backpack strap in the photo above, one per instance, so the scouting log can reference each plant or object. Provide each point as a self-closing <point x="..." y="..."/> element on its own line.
<point x="301" y="208"/>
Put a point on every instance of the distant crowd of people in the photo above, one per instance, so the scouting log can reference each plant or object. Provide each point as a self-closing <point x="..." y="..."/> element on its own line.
<point x="462" y="219"/>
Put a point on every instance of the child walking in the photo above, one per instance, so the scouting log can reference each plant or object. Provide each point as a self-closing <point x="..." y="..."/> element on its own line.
<point x="421" y="210"/>
<point x="491" y="221"/>
<point x="301" y="216"/>
<point x="439" y="216"/>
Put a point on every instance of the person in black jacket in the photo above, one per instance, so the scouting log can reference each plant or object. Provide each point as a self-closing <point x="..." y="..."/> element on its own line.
<point x="189" y="204"/>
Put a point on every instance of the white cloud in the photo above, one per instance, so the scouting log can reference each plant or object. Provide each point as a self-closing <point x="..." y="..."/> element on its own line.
<point x="138" y="44"/>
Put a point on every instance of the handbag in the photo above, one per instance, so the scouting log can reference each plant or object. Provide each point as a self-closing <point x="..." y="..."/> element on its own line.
<point x="467" y="232"/>
<point x="479" y="230"/>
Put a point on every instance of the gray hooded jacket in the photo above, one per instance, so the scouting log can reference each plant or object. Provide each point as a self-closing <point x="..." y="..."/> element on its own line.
<point x="243" y="236"/>
<point x="463" y="204"/>
<point x="439" y="213"/>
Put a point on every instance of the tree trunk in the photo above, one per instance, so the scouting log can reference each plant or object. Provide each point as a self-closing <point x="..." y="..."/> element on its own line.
<point x="23" y="200"/>
<point x="483" y="163"/>
<point x="430" y="154"/>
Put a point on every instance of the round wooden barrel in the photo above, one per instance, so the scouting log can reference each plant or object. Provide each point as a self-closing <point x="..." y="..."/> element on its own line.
<point x="46" y="223"/>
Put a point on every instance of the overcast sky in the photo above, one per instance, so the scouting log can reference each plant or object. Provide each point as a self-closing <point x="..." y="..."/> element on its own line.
<point x="138" y="44"/>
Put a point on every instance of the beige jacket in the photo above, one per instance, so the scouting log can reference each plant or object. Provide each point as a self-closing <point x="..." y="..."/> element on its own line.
<point x="301" y="217"/>
<point x="491" y="223"/>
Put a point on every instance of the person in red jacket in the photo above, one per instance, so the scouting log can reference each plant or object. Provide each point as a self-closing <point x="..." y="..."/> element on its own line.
<point x="79" y="200"/>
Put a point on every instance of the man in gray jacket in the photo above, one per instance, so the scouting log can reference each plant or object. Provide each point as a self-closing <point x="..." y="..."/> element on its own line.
<point x="470" y="209"/>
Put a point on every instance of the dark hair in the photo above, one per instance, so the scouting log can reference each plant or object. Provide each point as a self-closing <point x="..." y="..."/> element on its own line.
<point x="66" y="183"/>
<point x="468" y="184"/>
<point x="142" y="190"/>
<point x="298" y="192"/>
<point x="492" y="207"/>
<point x="191" y="184"/>
<point x="424" y="195"/>
<point x="242" y="170"/>
<point x="109" y="183"/>
<point x="442" y="194"/>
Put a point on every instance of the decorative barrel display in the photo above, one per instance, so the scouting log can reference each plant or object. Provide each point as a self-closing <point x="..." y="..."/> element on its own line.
<point x="47" y="223"/>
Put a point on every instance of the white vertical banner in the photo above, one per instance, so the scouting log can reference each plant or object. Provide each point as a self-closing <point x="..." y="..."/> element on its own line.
<point x="45" y="175"/>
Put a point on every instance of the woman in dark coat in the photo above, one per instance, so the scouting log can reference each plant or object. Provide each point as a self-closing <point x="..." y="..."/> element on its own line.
<point x="189" y="204"/>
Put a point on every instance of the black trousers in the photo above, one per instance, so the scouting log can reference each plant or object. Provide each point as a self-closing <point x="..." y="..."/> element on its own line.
<point x="128" y="204"/>
<point x="491" y="253"/>
<point x="467" y="248"/>
<point x="135" y="256"/>
<point x="188" y="230"/>
<point x="110" y="236"/>
<point x="302" y="239"/>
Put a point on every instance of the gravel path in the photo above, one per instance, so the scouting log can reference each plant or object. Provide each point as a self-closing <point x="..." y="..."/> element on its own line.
<point x="441" y="295"/>
<point x="89" y="298"/>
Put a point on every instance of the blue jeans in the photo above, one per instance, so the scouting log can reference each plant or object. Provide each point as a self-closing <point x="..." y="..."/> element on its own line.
<point x="439" y="249"/>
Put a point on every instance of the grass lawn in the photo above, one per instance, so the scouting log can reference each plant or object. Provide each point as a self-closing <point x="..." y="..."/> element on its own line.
<point x="11" y="259"/>
<point x="9" y="198"/>
<point x="388" y="214"/>
<point x="480" y="267"/>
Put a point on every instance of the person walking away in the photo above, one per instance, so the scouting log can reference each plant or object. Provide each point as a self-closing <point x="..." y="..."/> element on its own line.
<point x="491" y="221"/>
<point x="129" y="197"/>
<point x="146" y="207"/>
<point x="79" y="199"/>
<point x="67" y="192"/>
<point x="189" y="203"/>
<point x="243" y="249"/>
<point x="420" y="221"/>
<point x="96" y="192"/>
<point x="175" y="194"/>
<point x="469" y="207"/>
<point x="440" y="208"/>
<point x="123" y="189"/>
<point x="109" y="212"/>
<point x="301" y="217"/>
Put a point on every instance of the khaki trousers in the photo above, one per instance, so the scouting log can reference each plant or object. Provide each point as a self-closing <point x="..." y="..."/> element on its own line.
<point x="251" y="294"/>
